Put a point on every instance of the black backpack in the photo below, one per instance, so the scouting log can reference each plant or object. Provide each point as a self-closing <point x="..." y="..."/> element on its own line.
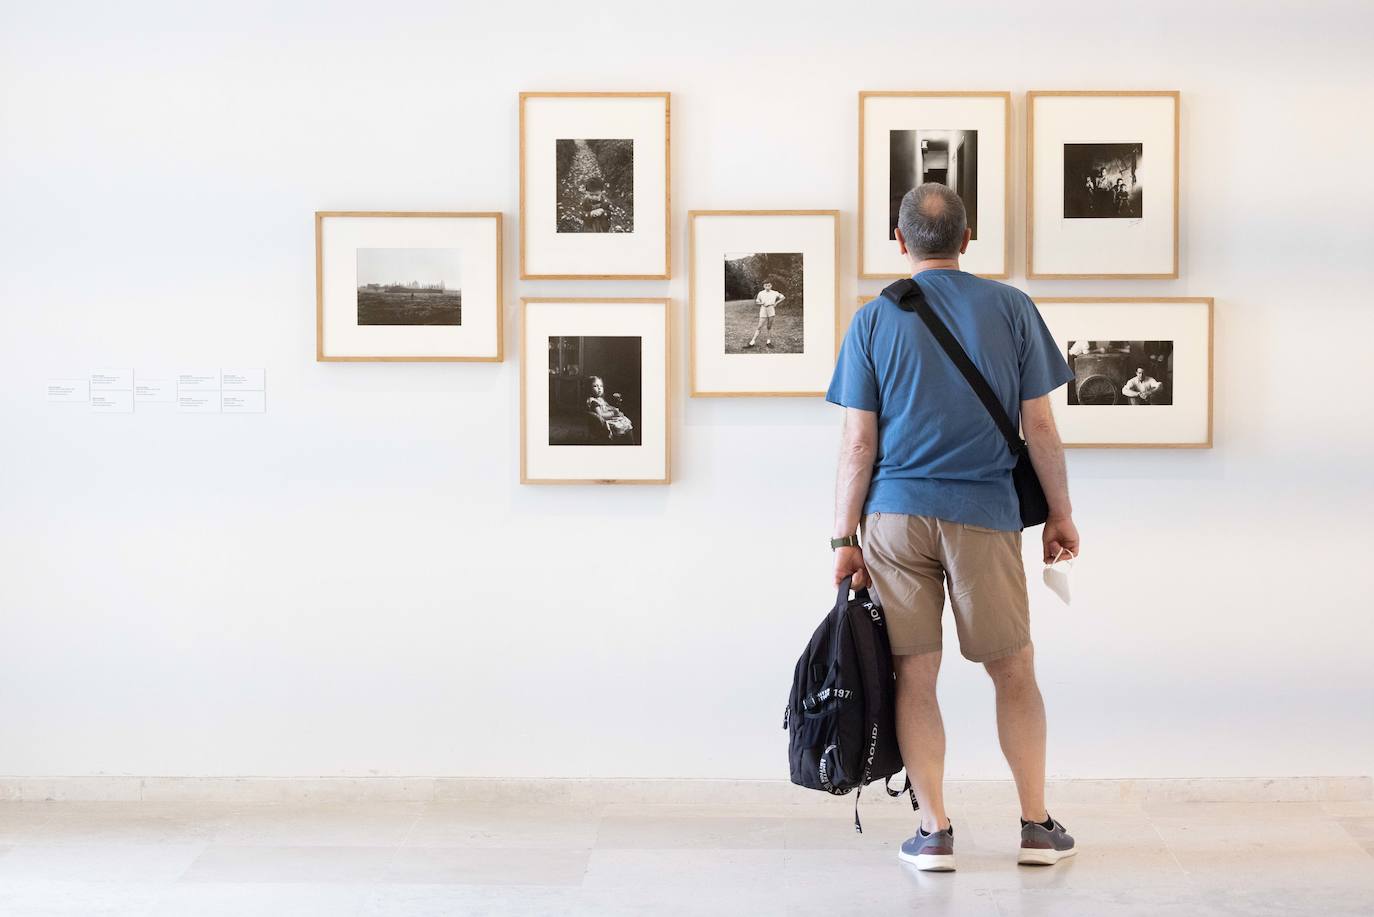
<point x="840" y="717"/>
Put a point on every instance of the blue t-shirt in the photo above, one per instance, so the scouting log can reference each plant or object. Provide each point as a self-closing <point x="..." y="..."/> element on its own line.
<point x="939" y="453"/>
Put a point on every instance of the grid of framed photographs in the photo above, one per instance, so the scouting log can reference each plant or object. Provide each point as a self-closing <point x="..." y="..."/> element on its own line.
<point x="1102" y="202"/>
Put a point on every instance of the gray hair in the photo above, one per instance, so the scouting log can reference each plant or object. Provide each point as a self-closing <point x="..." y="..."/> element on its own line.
<point x="932" y="220"/>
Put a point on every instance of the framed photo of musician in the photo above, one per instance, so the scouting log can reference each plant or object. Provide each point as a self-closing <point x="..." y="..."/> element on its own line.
<point x="594" y="178"/>
<point x="1126" y="353"/>
<point x="959" y="139"/>
<point x="764" y="301"/>
<point x="594" y="391"/>
<point x="1102" y="185"/>
<point x="408" y="286"/>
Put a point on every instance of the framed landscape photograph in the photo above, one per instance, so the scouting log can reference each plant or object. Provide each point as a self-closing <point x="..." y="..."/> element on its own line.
<point x="1102" y="185"/>
<point x="594" y="178"/>
<point x="959" y="139"/>
<point x="1127" y="353"/>
<point x="406" y="286"/>
<point x="764" y="301"/>
<point x="594" y="392"/>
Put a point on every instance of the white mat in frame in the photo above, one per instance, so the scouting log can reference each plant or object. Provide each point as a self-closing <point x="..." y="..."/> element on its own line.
<point x="548" y="250"/>
<point x="725" y="367"/>
<point x="472" y="242"/>
<point x="1062" y="242"/>
<point x="945" y="116"/>
<point x="1125" y="324"/>
<point x="643" y="457"/>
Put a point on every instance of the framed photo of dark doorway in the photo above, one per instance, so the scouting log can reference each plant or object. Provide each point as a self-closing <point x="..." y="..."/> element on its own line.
<point x="594" y="391"/>
<point x="764" y="301"/>
<point x="1128" y="353"/>
<point x="959" y="139"/>
<point x="408" y="286"/>
<point x="594" y="179"/>
<point x="1102" y="178"/>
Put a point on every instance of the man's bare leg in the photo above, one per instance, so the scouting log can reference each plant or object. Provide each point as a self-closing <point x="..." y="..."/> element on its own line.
<point x="921" y="734"/>
<point x="1021" y="728"/>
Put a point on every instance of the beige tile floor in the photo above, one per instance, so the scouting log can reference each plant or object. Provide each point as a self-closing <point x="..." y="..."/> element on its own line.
<point x="186" y="859"/>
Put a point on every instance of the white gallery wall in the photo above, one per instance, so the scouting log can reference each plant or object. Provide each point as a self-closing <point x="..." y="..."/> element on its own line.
<point x="355" y="583"/>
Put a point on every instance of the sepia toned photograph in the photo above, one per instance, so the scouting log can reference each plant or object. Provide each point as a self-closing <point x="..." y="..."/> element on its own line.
<point x="764" y="302"/>
<point x="948" y="157"/>
<point x="1102" y="181"/>
<point x="595" y="185"/>
<point x="409" y="286"/>
<point x="595" y="391"/>
<point x="1128" y="373"/>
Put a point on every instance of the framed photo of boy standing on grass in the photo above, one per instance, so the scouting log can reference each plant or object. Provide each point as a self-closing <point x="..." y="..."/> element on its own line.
<point x="764" y="300"/>
<point x="594" y="186"/>
<point x="407" y="286"/>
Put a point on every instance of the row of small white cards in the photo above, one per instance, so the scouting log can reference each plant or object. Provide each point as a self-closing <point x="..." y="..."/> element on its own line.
<point x="207" y="391"/>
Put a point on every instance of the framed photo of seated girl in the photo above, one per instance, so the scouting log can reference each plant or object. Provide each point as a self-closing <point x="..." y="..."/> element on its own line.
<point x="594" y="391"/>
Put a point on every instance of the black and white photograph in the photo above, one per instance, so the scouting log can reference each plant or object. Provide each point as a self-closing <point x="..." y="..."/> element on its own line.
<point x="1102" y="181"/>
<point x="949" y="157"/>
<point x="1127" y="373"/>
<point x="764" y="302"/>
<point x="409" y="286"/>
<point x="595" y="391"/>
<point x="596" y="185"/>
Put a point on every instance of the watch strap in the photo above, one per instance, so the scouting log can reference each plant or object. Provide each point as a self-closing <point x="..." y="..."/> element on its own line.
<point x="848" y="541"/>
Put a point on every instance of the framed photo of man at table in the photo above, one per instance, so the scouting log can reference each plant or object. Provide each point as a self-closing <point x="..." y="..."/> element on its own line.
<point x="1102" y="178"/>
<point x="1133" y="352"/>
<point x="594" y="391"/>
<point x="594" y="179"/>
<point x="764" y="301"/>
<point x="408" y="286"/>
<point x="959" y="139"/>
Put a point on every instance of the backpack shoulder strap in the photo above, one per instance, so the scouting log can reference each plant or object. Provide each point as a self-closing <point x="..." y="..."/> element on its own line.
<point x="908" y="296"/>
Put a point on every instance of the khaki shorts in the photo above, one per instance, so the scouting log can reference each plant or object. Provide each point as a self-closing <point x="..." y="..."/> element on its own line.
<point x="910" y="558"/>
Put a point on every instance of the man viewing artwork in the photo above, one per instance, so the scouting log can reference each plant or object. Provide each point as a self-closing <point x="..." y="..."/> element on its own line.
<point x="926" y="472"/>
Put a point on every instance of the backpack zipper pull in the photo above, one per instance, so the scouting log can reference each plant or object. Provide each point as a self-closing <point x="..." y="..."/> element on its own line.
<point x="786" y="713"/>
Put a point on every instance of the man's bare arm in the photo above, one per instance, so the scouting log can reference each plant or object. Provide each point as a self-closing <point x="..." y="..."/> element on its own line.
<point x="858" y="449"/>
<point x="1047" y="455"/>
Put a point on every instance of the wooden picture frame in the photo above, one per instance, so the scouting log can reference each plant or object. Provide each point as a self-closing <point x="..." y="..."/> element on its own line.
<point x="534" y="272"/>
<point x="493" y="336"/>
<point x="1203" y="442"/>
<point x="529" y="365"/>
<point x="1172" y="185"/>
<point x="817" y="366"/>
<point x="1002" y="261"/>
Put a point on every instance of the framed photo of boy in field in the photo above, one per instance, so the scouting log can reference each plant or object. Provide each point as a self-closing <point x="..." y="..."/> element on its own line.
<point x="407" y="286"/>
<point x="765" y="301"/>
<point x="594" y="185"/>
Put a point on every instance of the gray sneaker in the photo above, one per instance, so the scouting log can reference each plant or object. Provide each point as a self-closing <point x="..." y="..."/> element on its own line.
<point x="930" y="852"/>
<point x="1043" y="847"/>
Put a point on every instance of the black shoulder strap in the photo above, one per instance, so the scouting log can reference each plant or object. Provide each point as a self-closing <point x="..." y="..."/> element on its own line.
<point x="908" y="296"/>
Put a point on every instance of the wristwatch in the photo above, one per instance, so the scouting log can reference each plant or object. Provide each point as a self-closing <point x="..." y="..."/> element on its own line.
<point x="848" y="541"/>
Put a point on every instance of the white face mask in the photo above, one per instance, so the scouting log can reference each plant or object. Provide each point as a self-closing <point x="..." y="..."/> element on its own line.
<point x="1057" y="574"/>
